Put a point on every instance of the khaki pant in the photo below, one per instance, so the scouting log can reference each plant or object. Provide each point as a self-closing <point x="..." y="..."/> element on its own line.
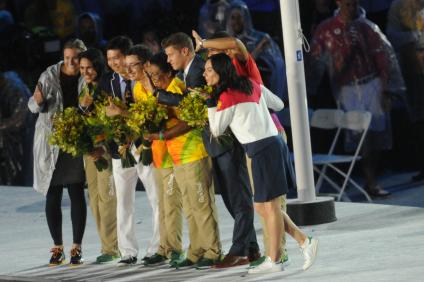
<point x="283" y="208"/>
<point x="102" y="202"/>
<point x="198" y="201"/>
<point x="170" y="212"/>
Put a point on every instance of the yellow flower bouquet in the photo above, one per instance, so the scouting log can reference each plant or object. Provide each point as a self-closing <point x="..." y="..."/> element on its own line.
<point x="144" y="117"/>
<point x="70" y="133"/>
<point x="193" y="109"/>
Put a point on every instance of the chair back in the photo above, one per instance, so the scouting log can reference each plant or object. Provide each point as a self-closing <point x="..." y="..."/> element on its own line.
<point x="356" y="120"/>
<point x="327" y="118"/>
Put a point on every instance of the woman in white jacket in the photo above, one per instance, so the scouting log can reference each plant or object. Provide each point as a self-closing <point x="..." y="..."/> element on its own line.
<point x="242" y="105"/>
<point x="58" y="88"/>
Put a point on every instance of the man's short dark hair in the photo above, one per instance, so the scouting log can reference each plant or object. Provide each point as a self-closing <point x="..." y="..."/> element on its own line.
<point x="121" y="43"/>
<point x="141" y="51"/>
<point x="75" y="44"/>
<point x="179" y="41"/>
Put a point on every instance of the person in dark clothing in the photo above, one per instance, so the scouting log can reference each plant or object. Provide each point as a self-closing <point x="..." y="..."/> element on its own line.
<point x="89" y="30"/>
<point x="54" y="169"/>
<point x="14" y="95"/>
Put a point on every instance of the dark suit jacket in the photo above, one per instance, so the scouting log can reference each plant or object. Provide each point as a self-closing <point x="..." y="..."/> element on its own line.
<point x="110" y="84"/>
<point x="195" y="73"/>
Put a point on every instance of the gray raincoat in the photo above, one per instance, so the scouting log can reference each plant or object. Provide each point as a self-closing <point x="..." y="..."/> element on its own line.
<point x="45" y="155"/>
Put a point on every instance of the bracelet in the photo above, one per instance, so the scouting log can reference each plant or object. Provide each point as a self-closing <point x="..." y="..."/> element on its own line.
<point x="161" y="137"/>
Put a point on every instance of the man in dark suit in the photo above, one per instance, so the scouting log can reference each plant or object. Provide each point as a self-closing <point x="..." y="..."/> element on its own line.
<point x="228" y="159"/>
<point x="198" y="201"/>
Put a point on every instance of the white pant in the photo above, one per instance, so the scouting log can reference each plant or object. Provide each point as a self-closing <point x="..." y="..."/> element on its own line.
<point x="125" y="183"/>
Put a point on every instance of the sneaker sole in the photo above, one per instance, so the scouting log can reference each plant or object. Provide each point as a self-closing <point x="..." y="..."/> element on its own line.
<point x="106" y="262"/>
<point x="156" y="264"/>
<point x="55" y="264"/>
<point x="315" y="248"/>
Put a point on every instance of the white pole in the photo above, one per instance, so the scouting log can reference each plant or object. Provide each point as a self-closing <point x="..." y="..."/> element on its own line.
<point x="290" y="18"/>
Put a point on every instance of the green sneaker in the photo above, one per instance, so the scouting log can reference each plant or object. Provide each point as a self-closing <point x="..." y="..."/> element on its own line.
<point x="155" y="260"/>
<point x="204" y="263"/>
<point x="284" y="260"/>
<point x="257" y="262"/>
<point x="176" y="257"/>
<point x="105" y="258"/>
<point x="186" y="263"/>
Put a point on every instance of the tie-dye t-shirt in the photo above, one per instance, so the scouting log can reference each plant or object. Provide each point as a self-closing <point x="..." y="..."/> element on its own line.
<point x="182" y="149"/>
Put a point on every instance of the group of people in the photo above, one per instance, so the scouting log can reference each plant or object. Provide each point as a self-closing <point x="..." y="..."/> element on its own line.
<point x="237" y="153"/>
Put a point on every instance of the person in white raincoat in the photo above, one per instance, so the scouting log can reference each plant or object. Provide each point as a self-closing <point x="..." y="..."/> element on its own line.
<point x="58" y="88"/>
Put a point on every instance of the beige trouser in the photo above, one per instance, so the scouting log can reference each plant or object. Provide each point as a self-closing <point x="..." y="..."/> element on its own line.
<point x="170" y="212"/>
<point x="198" y="201"/>
<point x="283" y="208"/>
<point x="102" y="202"/>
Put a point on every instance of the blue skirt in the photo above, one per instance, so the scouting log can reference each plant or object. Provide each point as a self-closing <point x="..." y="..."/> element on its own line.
<point x="270" y="171"/>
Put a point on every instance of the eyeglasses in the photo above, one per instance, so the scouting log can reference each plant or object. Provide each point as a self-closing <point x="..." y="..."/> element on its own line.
<point x="133" y="65"/>
<point x="154" y="75"/>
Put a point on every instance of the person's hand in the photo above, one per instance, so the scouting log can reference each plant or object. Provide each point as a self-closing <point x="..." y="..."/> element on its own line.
<point x="97" y="153"/>
<point x="198" y="39"/>
<point x="86" y="100"/>
<point x="148" y="83"/>
<point x="113" y="110"/>
<point x="152" y="136"/>
<point x="38" y="95"/>
<point x="202" y="93"/>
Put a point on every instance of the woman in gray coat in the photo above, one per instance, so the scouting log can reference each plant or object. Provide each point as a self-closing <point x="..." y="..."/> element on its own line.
<point x="54" y="169"/>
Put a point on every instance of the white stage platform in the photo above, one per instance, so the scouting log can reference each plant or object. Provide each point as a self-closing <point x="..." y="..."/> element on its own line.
<point x="368" y="242"/>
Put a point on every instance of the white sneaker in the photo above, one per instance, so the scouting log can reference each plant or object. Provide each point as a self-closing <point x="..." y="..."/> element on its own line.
<point x="309" y="250"/>
<point x="267" y="266"/>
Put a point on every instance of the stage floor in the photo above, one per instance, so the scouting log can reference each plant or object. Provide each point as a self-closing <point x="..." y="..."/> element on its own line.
<point x="368" y="242"/>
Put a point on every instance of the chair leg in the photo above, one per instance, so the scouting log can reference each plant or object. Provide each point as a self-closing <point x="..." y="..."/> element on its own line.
<point x="320" y="178"/>
<point x="334" y="185"/>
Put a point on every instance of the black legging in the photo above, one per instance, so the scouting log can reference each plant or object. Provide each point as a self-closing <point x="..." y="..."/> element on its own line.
<point x="78" y="212"/>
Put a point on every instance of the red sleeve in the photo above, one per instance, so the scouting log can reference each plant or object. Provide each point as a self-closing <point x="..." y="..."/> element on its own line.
<point x="249" y="69"/>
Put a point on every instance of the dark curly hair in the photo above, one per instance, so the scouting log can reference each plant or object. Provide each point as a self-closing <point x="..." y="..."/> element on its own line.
<point x="142" y="52"/>
<point x="160" y="60"/>
<point x="96" y="57"/>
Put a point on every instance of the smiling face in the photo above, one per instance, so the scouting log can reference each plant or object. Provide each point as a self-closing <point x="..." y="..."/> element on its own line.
<point x="87" y="70"/>
<point x="70" y="61"/>
<point x="160" y="79"/>
<point x="211" y="77"/>
<point x="135" y="67"/>
<point x="116" y="61"/>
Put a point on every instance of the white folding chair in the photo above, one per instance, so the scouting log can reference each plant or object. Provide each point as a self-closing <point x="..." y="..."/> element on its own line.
<point x="336" y="119"/>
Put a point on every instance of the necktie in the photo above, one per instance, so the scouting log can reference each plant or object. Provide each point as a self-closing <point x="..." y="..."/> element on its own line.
<point x="127" y="97"/>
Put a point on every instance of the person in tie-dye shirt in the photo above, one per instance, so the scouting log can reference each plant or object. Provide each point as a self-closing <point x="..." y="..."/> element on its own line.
<point x="183" y="186"/>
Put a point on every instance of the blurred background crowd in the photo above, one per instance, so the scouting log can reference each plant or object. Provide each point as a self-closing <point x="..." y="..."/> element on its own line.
<point x="32" y="33"/>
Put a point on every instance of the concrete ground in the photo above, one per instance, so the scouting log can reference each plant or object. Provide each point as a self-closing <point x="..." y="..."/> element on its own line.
<point x="382" y="241"/>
